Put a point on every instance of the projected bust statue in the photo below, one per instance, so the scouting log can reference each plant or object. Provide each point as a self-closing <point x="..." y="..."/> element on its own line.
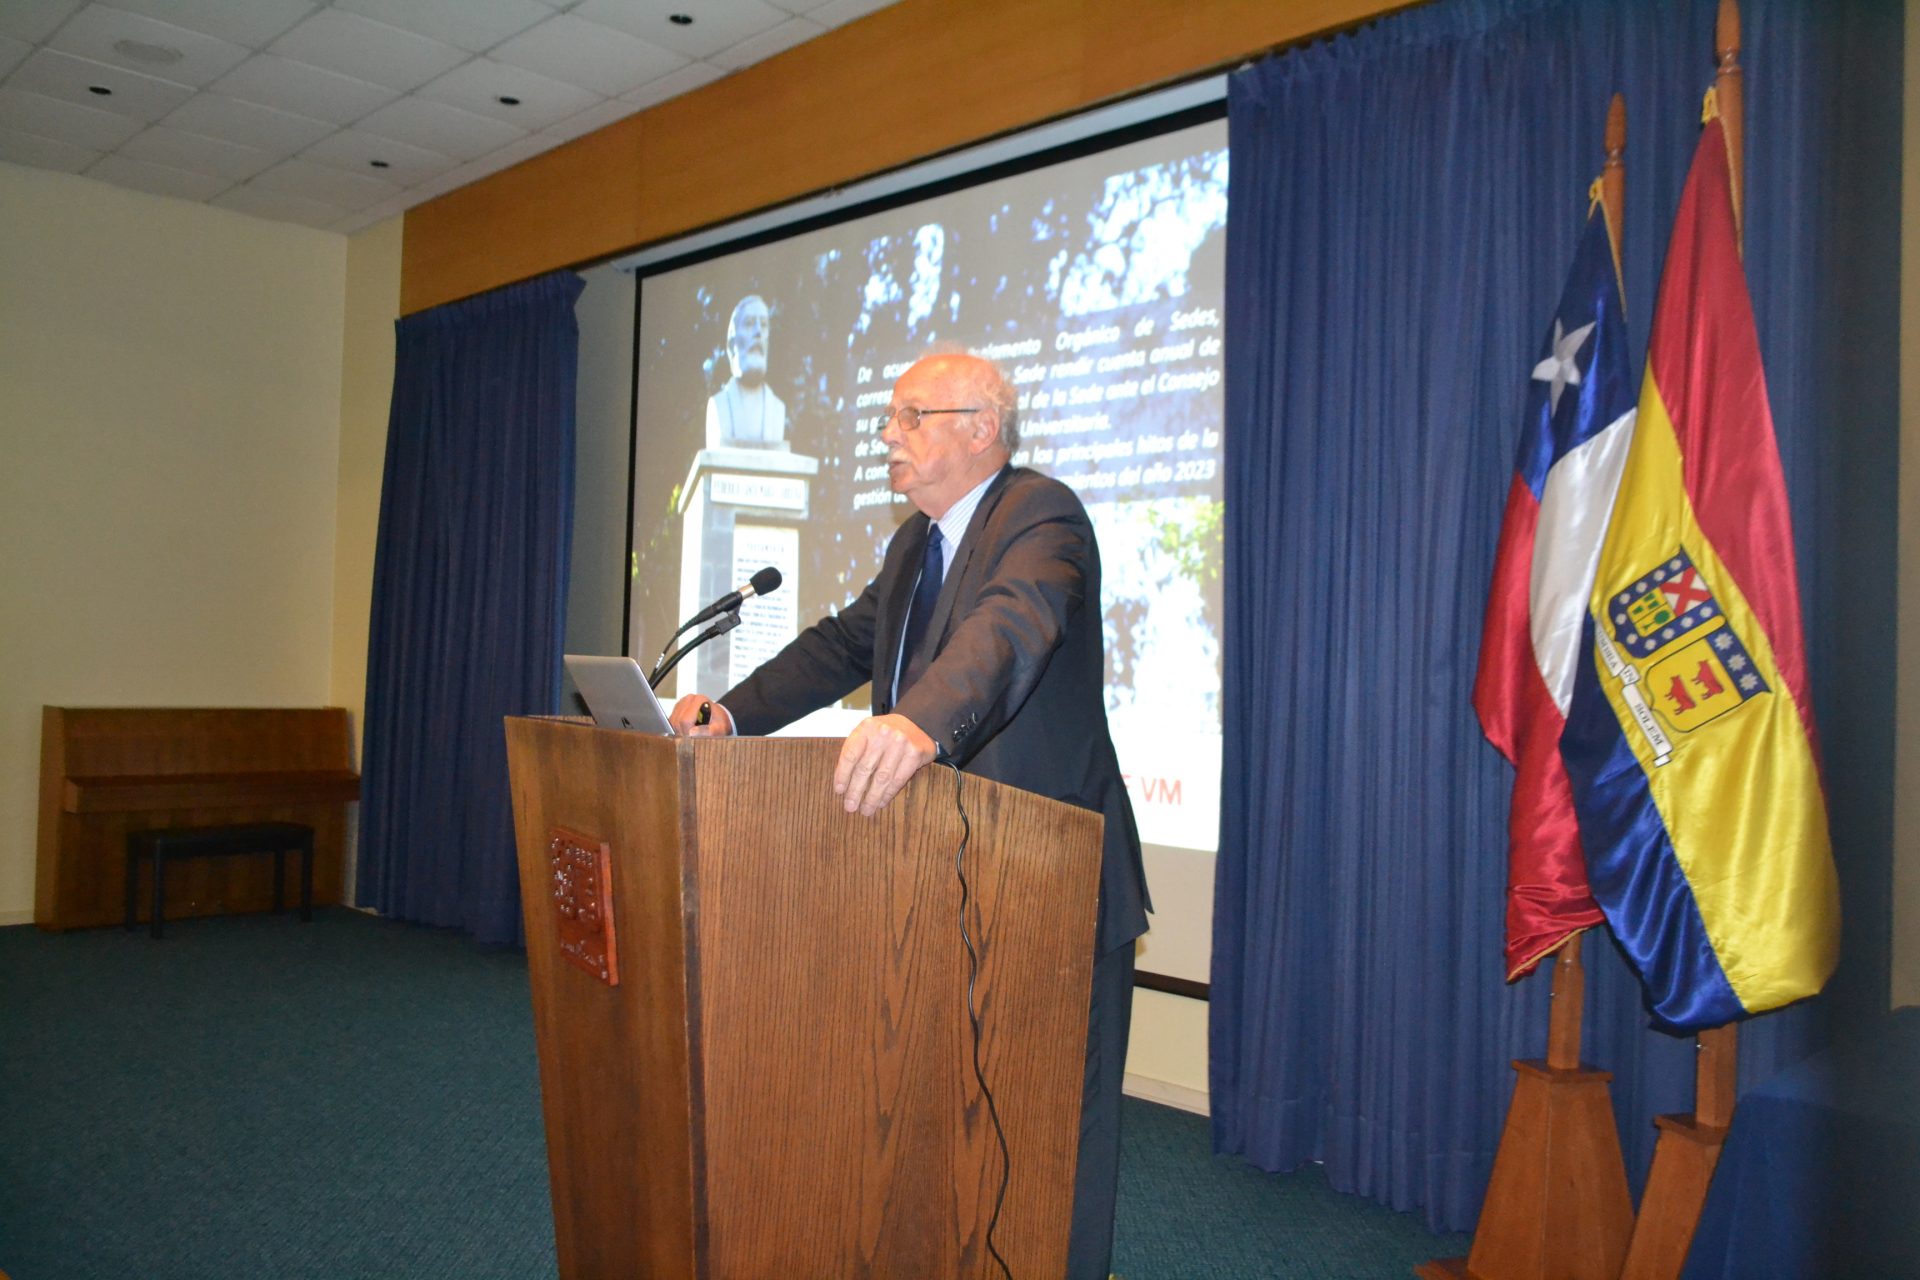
<point x="746" y="413"/>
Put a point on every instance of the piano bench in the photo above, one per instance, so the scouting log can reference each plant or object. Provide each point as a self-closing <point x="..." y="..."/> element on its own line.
<point x="276" y="838"/>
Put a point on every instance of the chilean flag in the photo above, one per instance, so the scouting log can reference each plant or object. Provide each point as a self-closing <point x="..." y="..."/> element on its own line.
<point x="1573" y="448"/>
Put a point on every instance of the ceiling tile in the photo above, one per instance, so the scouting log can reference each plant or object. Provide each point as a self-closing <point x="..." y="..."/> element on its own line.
<point x="355" y="150"/>
<point x="325" y="183"/>
<point x="435" y="126"/>
<point x="799" y="6"/>
<point x="63" y="121"/>
<point x="473" y="25"/>
<point x="478" y="86"/>
<point x="363" y="218"/>
<point x="11" y="52"/>
<point x="248" y="123"/>
<point x="160" y="179"/>
<point x="673" y="84"/>
<point x="763" y="46"/>
<point x="247" y="22"/>
<point x="71" y="79"/>
<point x="34" y="20"/>
<point x="576" y="51"/>
<point x="587" y="121"/>
<point x="493" y="162"/>
<point x="44" y="153"/>
<point x="273" y="81"/>
<point x="281" y="206"/>
<point x="837" y="13"/>
<point x="197" y="153"/>
<point x="368" y="50"/>
<point x="714" y="27"/>
<point x="142" y="44"/>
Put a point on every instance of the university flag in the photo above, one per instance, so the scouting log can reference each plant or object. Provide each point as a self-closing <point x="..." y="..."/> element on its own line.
<point x="1690" y="741"/>
<point x="1573" y="445"/>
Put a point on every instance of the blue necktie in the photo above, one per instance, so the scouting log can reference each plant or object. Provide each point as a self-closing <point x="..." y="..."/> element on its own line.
<point x="925" y="596"/>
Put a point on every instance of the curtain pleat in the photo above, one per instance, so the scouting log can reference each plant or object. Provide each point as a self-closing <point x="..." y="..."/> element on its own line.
<point x="469" y="598"/>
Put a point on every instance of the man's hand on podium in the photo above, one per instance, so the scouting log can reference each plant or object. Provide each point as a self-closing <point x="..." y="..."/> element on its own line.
<point x="698" y="716"/>
<point x="880" y="756"/>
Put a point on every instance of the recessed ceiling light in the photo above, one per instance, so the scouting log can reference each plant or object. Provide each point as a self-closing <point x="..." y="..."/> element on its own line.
<point x="507" y="100"/>
<point x="100" y="89"/>
<point x="680" y="19"/>
<point x="380" y="164"/>
<point x="159" y="55"/>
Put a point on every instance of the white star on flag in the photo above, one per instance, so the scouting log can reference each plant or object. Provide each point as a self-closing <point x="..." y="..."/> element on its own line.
<point x="1559" y="369"/>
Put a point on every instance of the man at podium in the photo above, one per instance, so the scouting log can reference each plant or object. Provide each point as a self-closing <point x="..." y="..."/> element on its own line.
<point x="982" y="639"/>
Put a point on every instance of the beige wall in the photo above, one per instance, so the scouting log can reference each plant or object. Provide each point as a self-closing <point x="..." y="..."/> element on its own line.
<point x="171" y="418"/>
<point x="366" y="388"/>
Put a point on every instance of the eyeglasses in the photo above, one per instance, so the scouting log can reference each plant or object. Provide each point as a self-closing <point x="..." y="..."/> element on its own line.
<point x="909" y="417"/>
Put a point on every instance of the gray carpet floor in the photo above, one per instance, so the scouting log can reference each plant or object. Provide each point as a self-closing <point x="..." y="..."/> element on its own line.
<point x="257" y="1099"/>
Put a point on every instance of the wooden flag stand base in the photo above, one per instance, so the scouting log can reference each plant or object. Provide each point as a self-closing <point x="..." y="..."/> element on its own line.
<point x="1683" y="1162"/>
<point x="1557" y="1206"/>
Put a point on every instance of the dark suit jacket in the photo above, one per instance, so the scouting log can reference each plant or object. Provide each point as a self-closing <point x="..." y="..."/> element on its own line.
<point x="1015" y="690"/>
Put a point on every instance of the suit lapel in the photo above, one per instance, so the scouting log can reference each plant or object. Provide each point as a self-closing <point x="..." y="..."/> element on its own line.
<point x="969" y="545"/>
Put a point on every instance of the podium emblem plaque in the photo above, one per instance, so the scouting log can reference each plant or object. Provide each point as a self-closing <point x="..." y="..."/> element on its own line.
<point x="582" y="890"/>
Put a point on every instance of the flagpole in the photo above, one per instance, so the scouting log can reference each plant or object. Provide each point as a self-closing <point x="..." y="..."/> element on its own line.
<point x="1613" y="184"/>
<point x="1729" y="91"/>
<point x="1689" y="1147"/>
<point x="1717" y="1058"/>
<point x="1557" y="1204"/>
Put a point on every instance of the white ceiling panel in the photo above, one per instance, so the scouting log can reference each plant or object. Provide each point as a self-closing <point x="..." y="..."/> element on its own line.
<point x="273" y="81"/>
<point x="248" y="123"/>
<point x="368" y="50"/>
<point x="178" y="149"/>
<point x="160" y="179"/>
<point x="673" y="84"/>
<point x="837" y="13"/>
<point x="337" y="113"/>
<point x="435" y="126"/>
<point x="249" y="22"/>
<point x="714" y="26"/>
<point x="44" y="153"/>
<point x="473" y="25"/>
<point x="34" y="20"/>
<point x="12" y="52"/>
<point x="479" y="85"/>
<point x="356" y="150"/>
<point x="585" y="53"/>
<point x="763" y="46"/>
<point x="153" y="48"/>
<point x="325" y="183"/>
<point x="86" y="127"/>
<point x="79" y="80"/>
<point x="281" y="206"/>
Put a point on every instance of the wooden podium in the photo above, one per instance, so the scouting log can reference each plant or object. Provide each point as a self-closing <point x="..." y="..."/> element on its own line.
<point x="774" y="1076"/>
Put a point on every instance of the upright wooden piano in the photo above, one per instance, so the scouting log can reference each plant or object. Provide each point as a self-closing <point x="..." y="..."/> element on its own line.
<point x="106" y="771"/>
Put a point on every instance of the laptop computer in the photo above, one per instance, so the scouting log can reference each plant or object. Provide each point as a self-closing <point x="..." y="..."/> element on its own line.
<point x="617" y="694"/>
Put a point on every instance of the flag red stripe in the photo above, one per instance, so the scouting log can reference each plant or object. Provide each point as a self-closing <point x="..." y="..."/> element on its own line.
<point x="1705" y="358"/>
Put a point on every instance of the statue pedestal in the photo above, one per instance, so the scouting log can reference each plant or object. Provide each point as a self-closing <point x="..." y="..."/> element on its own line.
<point x="740" y="510"/>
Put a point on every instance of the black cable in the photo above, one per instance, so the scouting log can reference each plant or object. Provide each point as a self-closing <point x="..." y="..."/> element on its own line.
<point x="973" y="1017"/>
<point x="666" y="664"/>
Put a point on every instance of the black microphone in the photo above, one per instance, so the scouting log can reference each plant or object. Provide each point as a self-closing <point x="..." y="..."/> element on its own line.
<point x="763" y="582"/>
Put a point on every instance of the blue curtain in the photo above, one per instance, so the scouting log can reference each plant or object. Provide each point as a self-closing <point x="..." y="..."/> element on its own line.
<point x="469" y="597"/>
<point x="1405" y="204"/>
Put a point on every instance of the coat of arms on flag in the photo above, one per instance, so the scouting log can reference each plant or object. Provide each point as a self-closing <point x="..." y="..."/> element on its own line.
<point x="1690" y="661"/>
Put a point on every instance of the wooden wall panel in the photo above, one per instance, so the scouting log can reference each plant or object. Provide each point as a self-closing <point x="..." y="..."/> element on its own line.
<point x="908" y="82"/>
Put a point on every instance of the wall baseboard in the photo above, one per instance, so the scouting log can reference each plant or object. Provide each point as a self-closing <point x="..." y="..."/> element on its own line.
<point x="1167" y="1095"/>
